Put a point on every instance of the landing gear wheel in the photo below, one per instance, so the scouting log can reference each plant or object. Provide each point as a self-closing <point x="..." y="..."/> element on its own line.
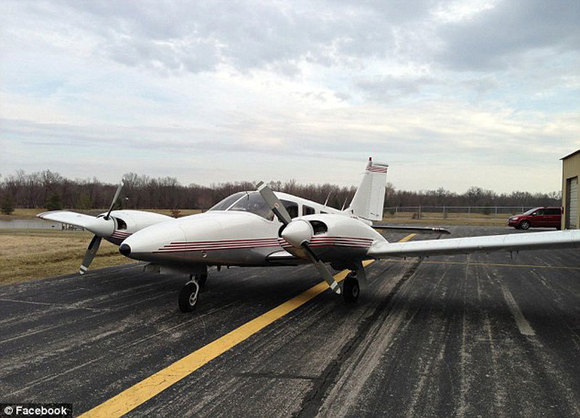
<point x="350" y="289"/>
<point x="525" y="225"/>
<point x="188" y="296"/>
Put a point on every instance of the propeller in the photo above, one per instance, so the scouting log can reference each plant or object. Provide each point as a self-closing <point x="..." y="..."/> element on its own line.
<point x="298" y="233"/>
<point x="101" y="226"/>
<point x="117" y="193"/>
<point x="90" y="254"/>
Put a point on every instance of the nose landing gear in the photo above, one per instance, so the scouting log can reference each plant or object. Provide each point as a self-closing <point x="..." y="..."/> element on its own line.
<point x="189" y="294"/>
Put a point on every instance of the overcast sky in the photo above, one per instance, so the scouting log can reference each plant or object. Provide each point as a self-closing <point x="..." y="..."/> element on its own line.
<point x="449" y="94"/>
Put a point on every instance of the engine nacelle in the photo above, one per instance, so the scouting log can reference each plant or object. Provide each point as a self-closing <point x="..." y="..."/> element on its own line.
<point x="332" y="237"/>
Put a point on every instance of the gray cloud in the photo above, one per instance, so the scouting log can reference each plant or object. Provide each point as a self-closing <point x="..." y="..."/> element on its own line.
<point x="199" y="36"/>
<point x="498" y="38"/>
<point x="388" y="88"/>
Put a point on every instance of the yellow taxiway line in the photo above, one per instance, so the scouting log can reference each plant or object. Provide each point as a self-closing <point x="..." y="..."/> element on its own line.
<point x="151" y="386"/>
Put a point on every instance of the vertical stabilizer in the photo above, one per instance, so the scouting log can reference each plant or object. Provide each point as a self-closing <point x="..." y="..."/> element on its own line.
<point x="369" y="199"/>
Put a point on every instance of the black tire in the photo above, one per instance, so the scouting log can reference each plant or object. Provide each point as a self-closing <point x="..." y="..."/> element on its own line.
<point x="525" y="225"/>
<point x="188" y="297"/>
<point x="350" y="289"/>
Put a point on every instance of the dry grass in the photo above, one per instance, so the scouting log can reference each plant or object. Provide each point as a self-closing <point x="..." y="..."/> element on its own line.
<point x="20" y="213"/>
<point x="437" y="219"/>
<point x="35" y="254"/>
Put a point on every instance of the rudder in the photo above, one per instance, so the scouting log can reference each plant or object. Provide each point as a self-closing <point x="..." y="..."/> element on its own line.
<point x="369" y="199"/>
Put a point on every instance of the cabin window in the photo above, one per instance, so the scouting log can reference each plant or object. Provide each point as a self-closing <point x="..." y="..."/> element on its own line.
<point x="307" y="210"/>
<point x="291" y="207"/>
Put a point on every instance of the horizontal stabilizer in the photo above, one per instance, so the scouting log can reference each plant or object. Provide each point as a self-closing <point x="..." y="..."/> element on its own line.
<point x="67" y="217"/>
<point x="508" y="242"/>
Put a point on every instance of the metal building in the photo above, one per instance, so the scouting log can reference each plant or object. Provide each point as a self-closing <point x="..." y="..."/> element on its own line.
<point x="570" y="190"/>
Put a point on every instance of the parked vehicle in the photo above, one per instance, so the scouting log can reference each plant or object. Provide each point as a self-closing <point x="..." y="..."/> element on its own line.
<point x="542" y="217"/>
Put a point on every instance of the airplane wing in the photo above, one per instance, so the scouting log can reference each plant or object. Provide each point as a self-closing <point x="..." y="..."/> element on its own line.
<point x="508" y="242"/>
<point x="283" y="257"/>
<point x="67" y="217"/>
<point x="419" y="229"/>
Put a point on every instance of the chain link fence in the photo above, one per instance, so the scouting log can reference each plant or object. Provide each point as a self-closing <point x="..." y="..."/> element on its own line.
<point x="495" y="214"/>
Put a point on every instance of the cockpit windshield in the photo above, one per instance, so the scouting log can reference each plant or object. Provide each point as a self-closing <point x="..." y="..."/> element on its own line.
<point x="251" y="202"/>
<point x="227" y="202"/>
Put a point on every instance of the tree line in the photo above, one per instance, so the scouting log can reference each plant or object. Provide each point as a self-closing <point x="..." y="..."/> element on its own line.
<point x="50" y="190"/>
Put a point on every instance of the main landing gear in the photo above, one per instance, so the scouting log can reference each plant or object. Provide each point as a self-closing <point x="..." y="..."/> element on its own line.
<point x="350" y="288"/>
<point x="189" y="294"/>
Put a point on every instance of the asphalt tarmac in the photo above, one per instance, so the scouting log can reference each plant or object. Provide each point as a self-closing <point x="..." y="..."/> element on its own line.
<point x="478" y="335"/>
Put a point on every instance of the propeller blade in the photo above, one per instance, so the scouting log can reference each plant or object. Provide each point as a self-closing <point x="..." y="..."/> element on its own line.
<point x="90" y="254"/>
<point x="322" y="270"/>
<point x="117" y="193"/>
<point x="274" y="203"/>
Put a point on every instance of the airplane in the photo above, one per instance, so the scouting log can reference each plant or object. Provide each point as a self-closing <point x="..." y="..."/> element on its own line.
<point x="266" y="228"/>
<point x="113" y="225"/>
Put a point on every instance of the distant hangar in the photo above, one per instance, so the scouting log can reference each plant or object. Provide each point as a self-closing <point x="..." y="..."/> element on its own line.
<point x="570" y="190"/>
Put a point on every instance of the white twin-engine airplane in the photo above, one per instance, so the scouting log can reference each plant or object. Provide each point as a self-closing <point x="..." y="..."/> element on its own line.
<point x="264" y="228"/>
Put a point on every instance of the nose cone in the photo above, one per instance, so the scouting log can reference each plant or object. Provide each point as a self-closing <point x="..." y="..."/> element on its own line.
<point x="125" y="250"/>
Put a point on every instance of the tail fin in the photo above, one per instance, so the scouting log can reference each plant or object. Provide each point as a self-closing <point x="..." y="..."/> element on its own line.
<point x="369" y="198"/>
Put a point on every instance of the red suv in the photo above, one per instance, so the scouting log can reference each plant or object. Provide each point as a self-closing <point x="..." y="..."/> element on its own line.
<point x="537" y="217"/>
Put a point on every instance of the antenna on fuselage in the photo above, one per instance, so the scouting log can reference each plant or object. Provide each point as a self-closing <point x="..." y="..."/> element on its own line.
<point x="327" y="197"/>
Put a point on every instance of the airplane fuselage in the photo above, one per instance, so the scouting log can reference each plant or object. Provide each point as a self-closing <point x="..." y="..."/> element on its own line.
<point x="240" y="237"/>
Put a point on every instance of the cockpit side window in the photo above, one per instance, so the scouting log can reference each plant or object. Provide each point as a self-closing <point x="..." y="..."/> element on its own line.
<point x="307" y="210"/>
<point x="291" y="207"/>
<point x="253" y="202"/>
<point x="228" y="201"/>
